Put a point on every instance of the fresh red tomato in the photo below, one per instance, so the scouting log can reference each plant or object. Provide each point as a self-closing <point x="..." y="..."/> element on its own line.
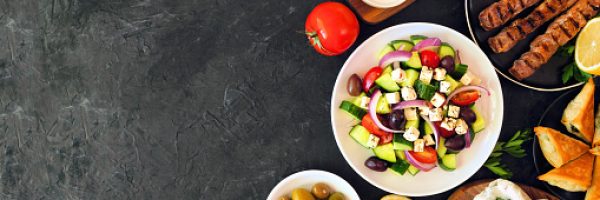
<point x="429" y="155"/>
<point x="370" y="77"/>
<point x="387" y="138"/>
<point x="430" y="59"/>
<point x="331" y="28"/>
<point x="444" y="132"/>
<point x="370" y="125"/>
<point x="465" y="98"/>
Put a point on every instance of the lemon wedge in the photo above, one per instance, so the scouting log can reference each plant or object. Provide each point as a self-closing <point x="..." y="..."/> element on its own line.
<point x="587" y="48"/>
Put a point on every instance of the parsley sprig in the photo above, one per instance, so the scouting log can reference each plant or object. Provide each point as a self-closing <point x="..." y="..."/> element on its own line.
<point x="512" y="147"/>
<point x="571" y="71"/>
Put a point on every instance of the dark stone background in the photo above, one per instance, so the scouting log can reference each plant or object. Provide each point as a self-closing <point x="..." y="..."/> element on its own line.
<point x="182" y="99"/>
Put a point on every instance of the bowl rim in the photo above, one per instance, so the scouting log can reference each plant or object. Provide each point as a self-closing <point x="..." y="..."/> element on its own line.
<point x="499" y="109"/>
<point x="376" y="4"/>
<point x="289" y="179"/>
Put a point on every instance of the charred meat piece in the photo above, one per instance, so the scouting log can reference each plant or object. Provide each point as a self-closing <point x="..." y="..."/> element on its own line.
<point x="563" y="29"/>
<point x="520" y="28"/>
<point x="501" y="11"/>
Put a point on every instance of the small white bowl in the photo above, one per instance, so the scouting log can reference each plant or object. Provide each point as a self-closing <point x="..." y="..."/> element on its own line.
<point x="305" y="179"/>
<point x="469" y="160"/>
<point x="383" y="3"/>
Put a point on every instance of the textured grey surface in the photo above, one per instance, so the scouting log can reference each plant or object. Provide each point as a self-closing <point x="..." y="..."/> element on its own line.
<point x="166" y="99"/>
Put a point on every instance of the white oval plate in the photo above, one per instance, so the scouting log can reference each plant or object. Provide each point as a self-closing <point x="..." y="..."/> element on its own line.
<point x="305" y="179"/>
<point x="469" y="160"/>
<point x="383" y="3"/>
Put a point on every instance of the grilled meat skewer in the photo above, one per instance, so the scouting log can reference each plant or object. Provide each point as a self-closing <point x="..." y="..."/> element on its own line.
<point x="563" y="29"/>
<point x="501" y="11"/>
<point x="520" y="28"/>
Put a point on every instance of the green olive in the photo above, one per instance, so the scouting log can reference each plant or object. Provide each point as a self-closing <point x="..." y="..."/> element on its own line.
<point x="321" y="190"/>
<point x="284" y="198"/>
<point x="302" y="194"/>
<point x="336" y="196"/>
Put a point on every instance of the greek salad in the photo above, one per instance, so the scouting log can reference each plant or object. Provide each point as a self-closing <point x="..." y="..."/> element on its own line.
<point x="416" y="107"/>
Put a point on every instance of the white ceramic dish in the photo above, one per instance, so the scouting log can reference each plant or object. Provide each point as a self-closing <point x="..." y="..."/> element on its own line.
<point x="469" y="160"/>
<point x="305" y="179"/>
<point x="383" y="3"/>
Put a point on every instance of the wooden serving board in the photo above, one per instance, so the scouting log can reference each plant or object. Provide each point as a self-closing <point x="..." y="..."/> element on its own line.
<point x="470" y="190"/>
<point x="374" y="15"/>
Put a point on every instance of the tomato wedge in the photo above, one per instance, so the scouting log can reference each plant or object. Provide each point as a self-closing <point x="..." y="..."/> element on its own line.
<point x="387" y="138"/>
<point x="429" y="155"/>
<point x="368" y="123"/>
<point x="465" y="98"/>
<point x="370" y="77"/>
<point x="430" y="59"/>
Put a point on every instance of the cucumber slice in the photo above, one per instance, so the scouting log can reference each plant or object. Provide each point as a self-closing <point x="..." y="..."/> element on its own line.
<point x="385" y="81"/>
<point x="383" y="107"/>
<point x="459" y="71"/>
<point x="424" y="90"/>
<point x="388" y="48"/>
<point x="400" y="167"/>
<point x="479" y="123"/>
<point x="417" y="38"/>
<point x="403" y="45"/>
<point x="401" y="144"/>
<point x="412" y="123"/>
<point x="453" y="83"/>
<point x="411" y="76"/>
<point x="427" y="129"/>
<point x="446" y="50"/>
<point x="412" y="170"/>
<point x="441" y="151"/>
<point x="414" y="61"/>
<point x="361" y="135"/>
<point x="353" y="110"/>
<point x="387" y="69"/>
<point x="448" y="162"/>
<point x="400" y="154"/>
<point x="385" y="152"/>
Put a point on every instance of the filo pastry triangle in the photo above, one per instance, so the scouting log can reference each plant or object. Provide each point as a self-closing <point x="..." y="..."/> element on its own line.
<point x="559" y="148"/>
<point x="575" y="176"/>
<point x="578" y="117"/>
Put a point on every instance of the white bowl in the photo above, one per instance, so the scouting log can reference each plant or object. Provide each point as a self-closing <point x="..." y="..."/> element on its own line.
<point x="383" y="3"/>
<point x="305" y="179"/>
<point x="469" y="160"/>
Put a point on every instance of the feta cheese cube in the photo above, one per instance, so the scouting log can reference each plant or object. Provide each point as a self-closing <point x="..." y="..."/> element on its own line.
<point x="468" y="78"/>
<point x="411" y="114"/>
<point x="411" y="134"/>
<point x="448" y="124"/>
<point x="373" y="141"/>
<point x="461" y="127"/>
<point x="445" y="87"/>
<point x="392" y="98"/>
<point x="440" y="74"/>
<point x="396" y="65"/>
<point x="428" y="140"/>
<point x="364" y="102"/>
<point x="419" y="145"/>
<point x="426" y="74"/>
<point x="424" y="111"/>
<point x="398" y="75"/>
<point x="453" y="111"/>
<point x="438" y="100"/>
<point x="408" y="93"/>
<point x="435" y="114"/>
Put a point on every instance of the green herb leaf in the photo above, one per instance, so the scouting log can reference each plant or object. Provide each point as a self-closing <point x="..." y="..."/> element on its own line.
<point x="513" y="147"/>
<point x="567" y="73"/>
<point x="580" y="76"/>
<point x="566" y="50"/>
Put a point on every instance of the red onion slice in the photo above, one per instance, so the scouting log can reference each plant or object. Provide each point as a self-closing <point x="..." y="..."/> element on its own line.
<point x="426" y="44"/>
<point x="436" y="133"/>
<point x="394" y="56"/>
<point x="467" y="88"/>
<point x="373" y="113"/>
<point x="419" y="165"/>
<point x="411" y="103"/>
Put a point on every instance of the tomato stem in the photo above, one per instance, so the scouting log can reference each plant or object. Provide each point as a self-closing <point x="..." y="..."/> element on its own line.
<point x="314" y="37"/>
